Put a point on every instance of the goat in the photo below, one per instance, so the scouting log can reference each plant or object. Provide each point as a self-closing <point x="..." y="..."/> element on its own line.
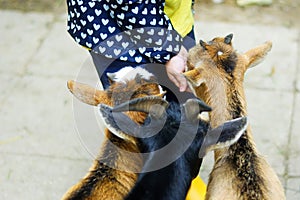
<point x="113" y="173"/>
<point x="174" y="154"/>
<point x="215" y="73"/>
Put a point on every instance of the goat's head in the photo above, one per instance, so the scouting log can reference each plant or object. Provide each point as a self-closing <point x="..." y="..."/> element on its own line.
<point x="164" y="124"/>
<point x="126" y="84"/>
<point x="214" y="66"/>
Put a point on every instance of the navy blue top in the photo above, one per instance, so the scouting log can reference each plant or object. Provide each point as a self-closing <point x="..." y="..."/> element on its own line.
<point x="135" y="31"/>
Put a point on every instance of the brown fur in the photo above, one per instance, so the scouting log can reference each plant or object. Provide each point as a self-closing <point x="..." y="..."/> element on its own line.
<point x="216" y="73"/>
<point x="109" y="178"/>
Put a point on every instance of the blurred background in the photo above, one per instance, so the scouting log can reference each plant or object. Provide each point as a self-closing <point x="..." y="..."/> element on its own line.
<point x="46" y="146"/>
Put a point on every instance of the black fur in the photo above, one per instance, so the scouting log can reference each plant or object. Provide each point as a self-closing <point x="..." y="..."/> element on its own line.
<point x="168" y="174"/>
<point x="229" y="63"/>
<point x="173" y="180"/>
<point x="242" y="156"/>
<point x="100" y="172"/>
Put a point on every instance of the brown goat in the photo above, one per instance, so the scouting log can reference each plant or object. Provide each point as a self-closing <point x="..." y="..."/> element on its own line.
<point x="216" y="74"/>
<point x="114" y="172"/>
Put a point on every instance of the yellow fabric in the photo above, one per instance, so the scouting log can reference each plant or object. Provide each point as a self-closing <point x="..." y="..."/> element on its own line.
<point x="180" y="14"/>
<point x="197" y="190"/>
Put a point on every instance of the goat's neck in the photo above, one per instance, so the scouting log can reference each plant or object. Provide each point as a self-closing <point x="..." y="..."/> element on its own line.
<point x="227" y="99"/>
<point x="108" y="178"/>
<point x="174" y="182"/>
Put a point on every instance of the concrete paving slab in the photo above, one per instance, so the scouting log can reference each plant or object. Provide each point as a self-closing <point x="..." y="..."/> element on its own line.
<point x="35" y="177"/>
<point x="293" y="189"/>
<point x="8" y="82"/>
<point x="39" y="114"/>
<point x="294" y="145"/>
<point x="85" y="72"/>
<point x="270" y="124"/>
<point x="59" y="54"/>
<point x="293" y="185"/>
<point x="279" y="67"/>
<point x="298" y="64"/>
<point x="21" y="36"/>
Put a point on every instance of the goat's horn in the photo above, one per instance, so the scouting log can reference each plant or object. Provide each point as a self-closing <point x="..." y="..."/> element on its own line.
<point x="151" y="104"/>
<point x="193" y="107"/>
<point x="202" y="44"/>
<point x="228" y="38"/>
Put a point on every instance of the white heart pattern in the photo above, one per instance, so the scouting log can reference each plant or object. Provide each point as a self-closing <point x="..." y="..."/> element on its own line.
<point x="117" y="52"/>
<point x="104" y="21"/>
<point x="138" y="59"/>
<point x="110" y="43"/>
<point x="148" y="31"/>
<point x="131" y="52"/>
<point x="103" y="36"/>
<point x="98" y="12"/>
<point x="92" y="4"/>
<point x="119" y="38"/>
<point x="125" y="44"/>
<point x="96" y="26"/>
<point x="135" y="10"/>
<point x="90" y="18"/>
<point x="90" y="32"/>
<point x="83" y="9"/>
<point x="111" y="29"/>
<point x="142" y="22"/>
<point x="153" y="22"/>
<point x="132" y="20"/>
<point x="102" y="49"/>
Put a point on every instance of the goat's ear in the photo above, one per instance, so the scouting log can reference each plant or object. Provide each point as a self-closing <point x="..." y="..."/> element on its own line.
<point x="256" y="55"/>
<point x="118" y="123"/>
<point x="88" y="94"/>
<point x="224" y="135"/>
<point x="194" y="77"/>
<point x="228" y="39"/>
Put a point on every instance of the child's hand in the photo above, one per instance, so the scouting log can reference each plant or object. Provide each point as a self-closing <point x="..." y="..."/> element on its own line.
<point x="175" y="67"/>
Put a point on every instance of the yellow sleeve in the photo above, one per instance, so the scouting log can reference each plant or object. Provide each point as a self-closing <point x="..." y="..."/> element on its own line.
<point x="180" y="14"/>
<point x="197" y="190"/>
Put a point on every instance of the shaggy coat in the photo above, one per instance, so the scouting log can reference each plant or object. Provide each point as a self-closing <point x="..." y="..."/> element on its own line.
<point x="185" y="139"/>
<point x="113" y="173"/>
<point x="216" y="74"/>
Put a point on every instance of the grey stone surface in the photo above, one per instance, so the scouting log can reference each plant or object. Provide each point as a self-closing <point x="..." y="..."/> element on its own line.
<point x="269" y="124"/>
<point x="22" y="35"/>
<point x="59" y="54"/>
<point x="293" y="188"/>
<point x="48" y="139"/>
<point x="293" y="154"/>
<point x="278" y="69"/>
<point x="41" y="112"/>
<point x="38" y="177"/>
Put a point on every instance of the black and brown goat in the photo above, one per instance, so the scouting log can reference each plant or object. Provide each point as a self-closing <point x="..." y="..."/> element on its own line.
<point x="173" y="141"/>
<point x="113" y="173"/>
<point x="216" y="74"/>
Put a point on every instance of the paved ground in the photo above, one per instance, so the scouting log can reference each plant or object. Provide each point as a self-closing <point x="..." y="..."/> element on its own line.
<point x="45" y="146"/>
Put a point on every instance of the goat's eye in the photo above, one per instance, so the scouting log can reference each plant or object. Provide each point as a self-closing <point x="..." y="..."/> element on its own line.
<point x="220" y="53"/>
